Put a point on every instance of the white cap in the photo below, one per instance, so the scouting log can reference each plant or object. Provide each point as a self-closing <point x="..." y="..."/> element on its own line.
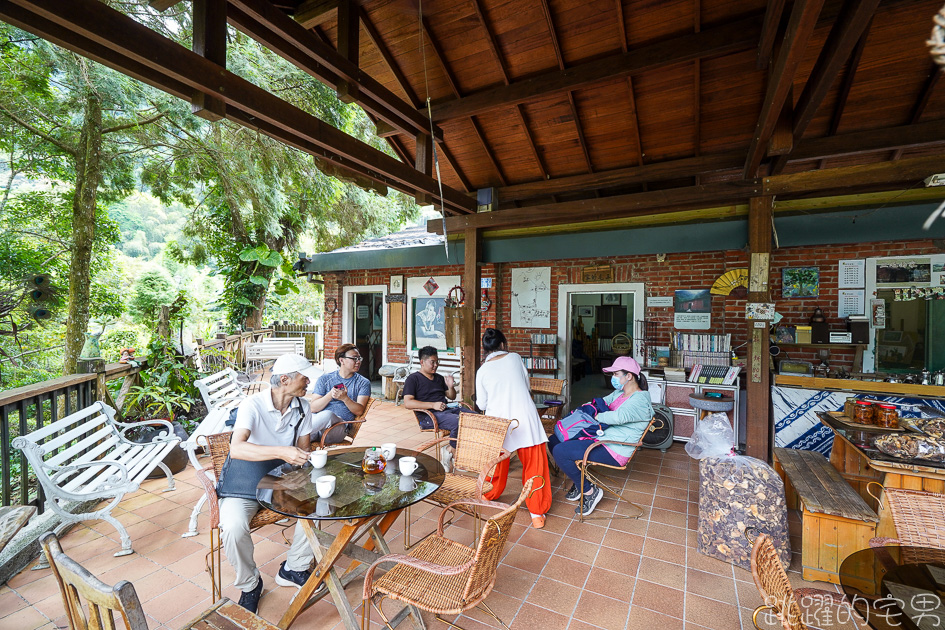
<point x="289" y="363"/>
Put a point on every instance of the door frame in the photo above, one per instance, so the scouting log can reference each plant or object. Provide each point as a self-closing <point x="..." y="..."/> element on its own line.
<point x="564" y="317"/>
<point x="347" y="309"/>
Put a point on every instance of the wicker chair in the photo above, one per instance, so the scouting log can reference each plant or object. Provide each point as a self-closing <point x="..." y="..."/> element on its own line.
<point x="775" y="588"/>
<point x="218" y="446"/>
<point x="549" y="387"/>
<point x="478" y="450"/>
<point x="919" y="517"/>
<point x="353" y="427"/>
<point x="443" y="576"/>
<point x="584" y="465"/>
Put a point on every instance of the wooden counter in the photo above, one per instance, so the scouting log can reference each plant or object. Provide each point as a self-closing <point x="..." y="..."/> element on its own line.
<point x="867" y="387"/>
<point x="858" y="468"/>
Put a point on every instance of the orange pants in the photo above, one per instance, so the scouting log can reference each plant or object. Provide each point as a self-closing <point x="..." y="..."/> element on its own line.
<point x="534" y="463"/>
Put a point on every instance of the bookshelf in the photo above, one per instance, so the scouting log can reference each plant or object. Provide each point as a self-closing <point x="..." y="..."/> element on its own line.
<point x="542" y="354"/>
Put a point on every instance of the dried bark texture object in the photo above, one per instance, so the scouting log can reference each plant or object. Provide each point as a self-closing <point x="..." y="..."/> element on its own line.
<point x="736" y="493"/>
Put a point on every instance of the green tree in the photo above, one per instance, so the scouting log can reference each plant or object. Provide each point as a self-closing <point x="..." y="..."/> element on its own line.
<point x="152" y="291"/>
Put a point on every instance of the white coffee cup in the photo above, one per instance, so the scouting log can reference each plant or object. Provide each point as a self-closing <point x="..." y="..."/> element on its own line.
<point x="407" y="484"/>
<point x="319" y="458"/>
<point x="408" y="465"/>
<point x="325" y="486"/>
<point x="389" y="450"/>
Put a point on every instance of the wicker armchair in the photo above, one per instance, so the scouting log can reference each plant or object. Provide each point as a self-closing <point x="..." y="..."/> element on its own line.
<point x="353" y="426"/>
<point x="478" y="450"/>
<point x="919" y="517"/>
<point x="443" y="576"/>
<point x="218" y="446"/>
<point x="549" y="387"/>
<point x="584" y="465"/>
<point x="775" y="589"/>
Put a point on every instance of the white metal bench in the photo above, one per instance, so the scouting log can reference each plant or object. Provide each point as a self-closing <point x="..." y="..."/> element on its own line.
<point x="257" y="354"/>
<point x="450" y="364"/>
<point x="86" y="456"/>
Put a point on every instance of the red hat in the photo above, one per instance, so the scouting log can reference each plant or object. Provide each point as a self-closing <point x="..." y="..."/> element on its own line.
<point x="627" y="364"/>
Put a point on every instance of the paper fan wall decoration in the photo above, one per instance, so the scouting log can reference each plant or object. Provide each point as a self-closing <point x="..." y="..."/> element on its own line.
<point x="724" y="284"/>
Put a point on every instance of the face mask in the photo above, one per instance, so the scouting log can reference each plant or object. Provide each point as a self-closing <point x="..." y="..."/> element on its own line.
<point x="615" y="382"/>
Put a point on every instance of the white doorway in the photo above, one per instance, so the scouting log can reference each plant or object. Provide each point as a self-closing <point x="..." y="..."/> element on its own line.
<point x="364" y="324"/>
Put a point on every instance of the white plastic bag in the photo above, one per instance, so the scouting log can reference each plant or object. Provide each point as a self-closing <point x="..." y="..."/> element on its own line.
<point x="713" y="437"/>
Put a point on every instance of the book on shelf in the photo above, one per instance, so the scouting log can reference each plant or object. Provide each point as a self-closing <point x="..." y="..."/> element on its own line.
<point x="544" y="339"/>
<point x="714" y="374"/>
<point x="541" y="363"/>
<point x="702" y="342"/>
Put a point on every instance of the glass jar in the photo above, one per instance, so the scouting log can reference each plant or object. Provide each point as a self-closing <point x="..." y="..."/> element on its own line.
<point x="374" y="461"/>
<point x="886" y="416"/>
<point x="848" y="406"/>
<point x="863" y="412"/>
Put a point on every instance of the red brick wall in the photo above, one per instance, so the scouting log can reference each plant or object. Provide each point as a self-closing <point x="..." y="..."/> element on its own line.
<point x="696" y="270"/>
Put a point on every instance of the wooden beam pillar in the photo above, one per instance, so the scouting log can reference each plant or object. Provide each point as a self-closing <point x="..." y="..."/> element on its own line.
<point x="349" y="30"/>
<point x="758" y="439"/>
<point x="209" y="41"/>
<point x="424" y="163"/>
<point x="472" y="279"/>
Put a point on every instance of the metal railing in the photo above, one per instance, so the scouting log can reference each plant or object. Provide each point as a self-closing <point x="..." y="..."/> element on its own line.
<point x="31" y="407"/>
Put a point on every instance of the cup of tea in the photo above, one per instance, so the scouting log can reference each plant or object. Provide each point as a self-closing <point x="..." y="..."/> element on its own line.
<point x="319" y="458"/>
<point x="389" y="450"/>
<point x="408" y="465"/>
<point x="325" y="486"/>
<point x="408" y="484"/>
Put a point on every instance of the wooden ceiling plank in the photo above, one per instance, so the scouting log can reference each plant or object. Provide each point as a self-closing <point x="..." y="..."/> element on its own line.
<point x="389" y="60"/>
<point x="442" y="149"/>
<point x="107" y="27"/>
<point x="312" y="13"/>
<point x="279" y="30"/>
<point x="935" y="74"/>
<point x="489" y="154"/>
<point x="846" y="83"/>
<point x="781" y="77"/>
<point x="490" y="39"/>
<point x="849" y="28"/>
<point x="880" y="175"/>
<point x="717" y="41"/>
<point x="696" y="85"/>
<point x="440" y="57"/>
<point x="769" y="32"/>
<point x="621" y="26"/>
<point x="553" y="34"/>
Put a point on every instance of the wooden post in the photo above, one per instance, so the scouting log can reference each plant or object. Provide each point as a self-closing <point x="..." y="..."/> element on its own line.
<point x="472" y="347"/>
<point x="348" y="45"/>
<point x="758" y="438"/>
<point x="209" y="41"/>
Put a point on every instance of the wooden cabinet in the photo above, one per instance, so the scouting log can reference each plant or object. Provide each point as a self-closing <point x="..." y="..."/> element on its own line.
<point x="685" y="416"/>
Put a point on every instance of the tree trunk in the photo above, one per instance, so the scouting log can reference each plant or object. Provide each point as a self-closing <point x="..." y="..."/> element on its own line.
<point x="255" y="317"/>
<point x="88" y="178"/>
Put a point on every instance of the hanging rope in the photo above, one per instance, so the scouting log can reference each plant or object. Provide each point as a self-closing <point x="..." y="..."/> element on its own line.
<point x="436" y="158"/>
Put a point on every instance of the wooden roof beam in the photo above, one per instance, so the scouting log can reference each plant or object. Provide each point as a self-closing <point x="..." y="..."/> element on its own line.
<point x="848" y="29"/>
<point x="209" y="41"/>
<point x="780" y="78"/>
<point x="286" y="37"/>
<point x="489" y="154"/>
<point x="392" y="64"/>
<point x="846" y="83"/>
<point x="162" y="5"/>
<point x="128" y="39"/>
<point x="769" y="32"/>
<point x="923" y="100"/>
<point x="884" y="175"/>
<point x="721" y="40"/>
<point x="312" y="13"/>
<point x="490" y="39"/>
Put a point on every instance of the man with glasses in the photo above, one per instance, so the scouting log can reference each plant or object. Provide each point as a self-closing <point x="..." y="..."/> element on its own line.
<point x="428" y="391"/>
<point x="339" y="396"/>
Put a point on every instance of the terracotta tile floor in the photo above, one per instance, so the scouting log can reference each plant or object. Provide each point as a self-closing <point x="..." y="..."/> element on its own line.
<point x="638" y="574"/>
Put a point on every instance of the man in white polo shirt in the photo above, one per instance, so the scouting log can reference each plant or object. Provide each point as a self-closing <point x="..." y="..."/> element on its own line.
<point x="272" y="427"/>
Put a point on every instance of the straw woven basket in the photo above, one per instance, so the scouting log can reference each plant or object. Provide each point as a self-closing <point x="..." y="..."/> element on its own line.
<point x="621" y="344"/>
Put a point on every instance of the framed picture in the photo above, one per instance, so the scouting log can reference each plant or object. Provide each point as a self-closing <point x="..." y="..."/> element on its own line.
<point x="611" y="299"/>
<point x="585" y="311"/>
<point x="396" y="284"/>
<point x="800" y="282"/>
<point x="429" y="322"/>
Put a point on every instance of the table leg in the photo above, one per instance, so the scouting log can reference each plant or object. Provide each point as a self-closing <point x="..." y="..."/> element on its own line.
<point x="324" y="571"/>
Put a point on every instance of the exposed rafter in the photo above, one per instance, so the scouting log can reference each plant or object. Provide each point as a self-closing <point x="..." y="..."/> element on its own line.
<point x="769" y="32"/>
<point x="485" y="147"/>
<point x="731" y="37"/>
<point x="632" y="113"/>
<point x="312" y="13"/>
<point x="133" y="45"/>
<point x="848" y="29"/>
<point x="920" y="104"/>
<point x="780" y="78"/>
<point x="846" y="83"/>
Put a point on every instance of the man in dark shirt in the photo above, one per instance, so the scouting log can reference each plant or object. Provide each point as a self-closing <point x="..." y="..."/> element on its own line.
<point x="427" y="390"/>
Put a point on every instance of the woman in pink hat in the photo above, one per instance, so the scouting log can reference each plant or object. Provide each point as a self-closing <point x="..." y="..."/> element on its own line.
<point x="628" y="412"/>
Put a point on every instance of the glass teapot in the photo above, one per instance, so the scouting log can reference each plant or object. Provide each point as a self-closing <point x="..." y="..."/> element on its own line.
<point x="374" y="461"/>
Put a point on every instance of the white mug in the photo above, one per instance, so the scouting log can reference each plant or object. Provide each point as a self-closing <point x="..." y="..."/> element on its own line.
<point x="389" y="450"/>
<point x="325" y="486"/>
<point x="319" y="458"/>
<point x="408" y="465"/>
<point x="407" y="484"/>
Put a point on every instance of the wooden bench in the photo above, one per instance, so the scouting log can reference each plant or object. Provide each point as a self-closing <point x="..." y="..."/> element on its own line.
<point x="449" y="364"/>
<point x="836" y="520"/>
<point x="257" y="354"/>
<point x="85" y="456"/>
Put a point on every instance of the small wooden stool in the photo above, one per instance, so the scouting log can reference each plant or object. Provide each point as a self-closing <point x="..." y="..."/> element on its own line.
<point x="707" y="405"/>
